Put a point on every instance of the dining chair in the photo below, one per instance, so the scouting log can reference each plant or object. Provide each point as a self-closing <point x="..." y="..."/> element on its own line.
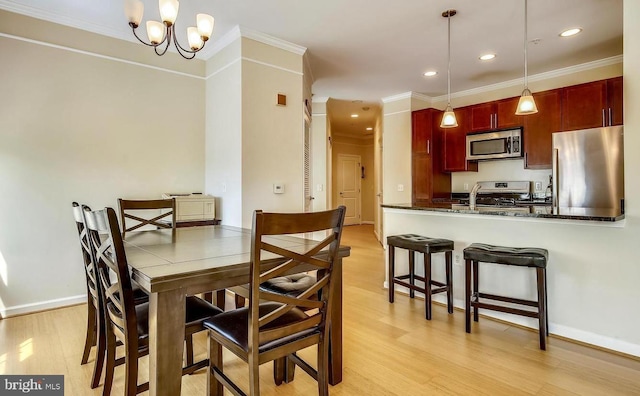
<point x="131" y="217"/>
<point x="95" y="317"/>
<point x="275" y="326"/>
<point x="127" y="322"/>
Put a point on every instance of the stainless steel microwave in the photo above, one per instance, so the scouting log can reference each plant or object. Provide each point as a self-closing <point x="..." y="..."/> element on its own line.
<point x="495" y="144"/>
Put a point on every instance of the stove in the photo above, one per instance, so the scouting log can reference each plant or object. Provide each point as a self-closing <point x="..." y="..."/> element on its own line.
<point x="504" y="196"/>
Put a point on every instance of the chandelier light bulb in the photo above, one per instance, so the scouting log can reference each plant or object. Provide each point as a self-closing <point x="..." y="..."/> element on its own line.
<point x="169" y="11"/>
<point x="155" y="31"/>
<point x="205" y="24"/>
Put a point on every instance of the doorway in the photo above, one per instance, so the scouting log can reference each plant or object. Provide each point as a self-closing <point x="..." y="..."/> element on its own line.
<point x="348" y="187"/>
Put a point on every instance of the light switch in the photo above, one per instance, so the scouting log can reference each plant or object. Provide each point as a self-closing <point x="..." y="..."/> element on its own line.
<point x="319" y="187"/>
<point x="278" y="188"/>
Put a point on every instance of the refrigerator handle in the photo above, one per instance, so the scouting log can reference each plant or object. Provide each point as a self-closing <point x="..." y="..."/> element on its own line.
<point x="610" y="117"/>
<point x="554" y="175"/>
<point x="604" y="117"/>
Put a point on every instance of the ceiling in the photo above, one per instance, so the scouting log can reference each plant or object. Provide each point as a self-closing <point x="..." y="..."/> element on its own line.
<point x="366" y="50"/>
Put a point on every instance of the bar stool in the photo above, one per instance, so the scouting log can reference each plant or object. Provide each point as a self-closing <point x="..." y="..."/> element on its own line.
<point x="523" y="257"/>
<point x="417" y="243"/>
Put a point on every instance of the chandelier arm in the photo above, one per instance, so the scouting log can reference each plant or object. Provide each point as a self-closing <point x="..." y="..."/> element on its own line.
<point x="181" y="49"/>
<point x="167" y="38"/>
<point x="133" y="28"/>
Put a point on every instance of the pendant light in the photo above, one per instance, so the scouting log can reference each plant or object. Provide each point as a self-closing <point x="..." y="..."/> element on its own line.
<point x="526" y="104"/>
<point x="449" y="117"/>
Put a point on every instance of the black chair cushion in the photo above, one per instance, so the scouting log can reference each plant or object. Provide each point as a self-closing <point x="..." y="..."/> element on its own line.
<point x="289" y="284"/>
<point x="526" y="256"/>
<point x="197" y="310"/>
<point x="234" y="325"/>
<point x="420" y="243"/>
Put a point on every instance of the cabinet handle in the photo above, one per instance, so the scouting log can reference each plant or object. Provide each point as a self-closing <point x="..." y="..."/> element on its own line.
<point x="495" y="122"/>
<point x="428" y="146"/>
<point x="604" y="123"/>
<point x="610" y="117"/>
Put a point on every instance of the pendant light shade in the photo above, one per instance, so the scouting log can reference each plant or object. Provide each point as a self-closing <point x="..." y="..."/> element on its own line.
<point x="449" y="117"/>
<point x="526" y="104"/>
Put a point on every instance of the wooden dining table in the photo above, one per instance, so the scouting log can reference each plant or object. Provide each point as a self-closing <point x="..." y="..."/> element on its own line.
<point x="171" y="264"/>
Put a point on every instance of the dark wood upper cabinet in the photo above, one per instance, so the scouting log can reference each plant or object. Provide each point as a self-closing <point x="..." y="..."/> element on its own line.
<point x="428" y="178"/>
<point x="505" y="111"/>
<point x="498" y="114"/>
<point x="481" y="117"/>
<point x="455" y="144"/>
<point x="539" y="127"/>
<point x="614" y="100"/>
<point x="584" y="106"/>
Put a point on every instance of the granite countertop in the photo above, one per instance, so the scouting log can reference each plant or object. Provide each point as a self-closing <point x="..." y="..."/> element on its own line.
<point x="535" y="211"/>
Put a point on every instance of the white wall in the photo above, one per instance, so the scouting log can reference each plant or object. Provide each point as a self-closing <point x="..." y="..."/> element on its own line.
<point x="319" y="147"/>
<point x="223" y="147"/>
<point x="272" y="135"/>
<point x="78" y="127"/>
<point x="593" y="272"/>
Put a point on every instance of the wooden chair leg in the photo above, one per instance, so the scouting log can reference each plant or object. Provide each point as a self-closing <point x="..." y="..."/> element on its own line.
<point x="427" y="285"/>
<point x="476" y="291"/>
<point x="101" y="348"/>
<point x="391" y="271"/>
<point x="279" y="370"/>
<point x="239" y="301"/>
<point x="189" y="345"/>
<point x="220" y="298"/>
<point x="412" y="273"/>
<point x="449" y="280"/>
<point x="208" y="297"/>
<point x="214" y="386"/>
<point x="323" y="368"/>
<point x="111" y="364"/>
<point x="542" y="311"/>
<point x="467" y="295"/>
<point x="131" y="370"/>
<point x="90" y="338"/>
<point x="254" y="377"/>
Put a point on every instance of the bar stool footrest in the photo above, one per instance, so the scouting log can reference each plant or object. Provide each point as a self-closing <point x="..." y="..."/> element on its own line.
<point x="507" y="299"/>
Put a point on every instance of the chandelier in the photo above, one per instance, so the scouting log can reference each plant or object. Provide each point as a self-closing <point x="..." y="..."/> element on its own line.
<point x="161" y="34"/>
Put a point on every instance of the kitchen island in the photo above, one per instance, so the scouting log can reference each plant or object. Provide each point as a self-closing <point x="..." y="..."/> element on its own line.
<point x="588" y="253"/>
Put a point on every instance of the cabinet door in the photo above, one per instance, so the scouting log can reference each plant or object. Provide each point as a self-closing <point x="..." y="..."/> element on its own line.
<point x="455" y="145"/>
<point x="506" y="113"/>
<point x="422" y="180"/>
<point x="614" y="99"/>
<point x="421" y="121"/>
<point x="583" y="106"/>
<point x="481" y="116"/>
<point x="539" y="127"/>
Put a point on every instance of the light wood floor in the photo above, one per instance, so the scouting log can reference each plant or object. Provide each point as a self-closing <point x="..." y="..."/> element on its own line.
<point x="390" y="349"/>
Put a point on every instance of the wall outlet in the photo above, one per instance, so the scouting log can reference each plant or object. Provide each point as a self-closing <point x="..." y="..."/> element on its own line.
<point x="538" y="186"/>
<point x="457" y="258"/>
<point x="400" y="187"/>
<point x="320" y="187"/>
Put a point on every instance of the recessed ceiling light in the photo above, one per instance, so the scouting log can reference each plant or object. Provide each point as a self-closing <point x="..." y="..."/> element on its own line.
<point x="570" y="32"/>
<point x="369" y="129"/>
<point x="487" y="57"/>
<point x="430" y="73"/>
<point x="354" y="116"/>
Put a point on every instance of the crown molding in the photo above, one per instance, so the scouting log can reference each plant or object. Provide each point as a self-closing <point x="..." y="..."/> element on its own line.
<point x="272" y="41"/>
<point x="220" y="43"/>
<point x="395" y="98"/>
<point x="614" y="60"/>
<point x="13" y="6"/>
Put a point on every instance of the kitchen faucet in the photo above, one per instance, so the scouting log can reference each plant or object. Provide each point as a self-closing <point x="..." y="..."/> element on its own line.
<point x="472" y="196"/>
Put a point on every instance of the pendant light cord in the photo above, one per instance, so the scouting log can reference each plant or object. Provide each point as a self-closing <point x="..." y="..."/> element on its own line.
<point x="449" y="58"/>
<point x="526" y="78"/>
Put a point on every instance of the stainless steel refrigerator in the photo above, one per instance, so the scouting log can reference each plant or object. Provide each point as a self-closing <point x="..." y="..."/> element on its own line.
<point x="588" y="168"/>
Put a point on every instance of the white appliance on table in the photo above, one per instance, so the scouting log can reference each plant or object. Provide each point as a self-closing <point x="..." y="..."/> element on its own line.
<point x="193" y="207"/>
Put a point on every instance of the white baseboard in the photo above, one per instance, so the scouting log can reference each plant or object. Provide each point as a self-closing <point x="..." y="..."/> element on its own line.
<point x="7" y="312"/>
<point x="567" y="332"/>
<point x="367" y="222"/>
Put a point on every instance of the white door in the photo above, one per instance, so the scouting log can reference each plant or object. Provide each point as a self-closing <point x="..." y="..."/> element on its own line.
<point x="349" y="186"/>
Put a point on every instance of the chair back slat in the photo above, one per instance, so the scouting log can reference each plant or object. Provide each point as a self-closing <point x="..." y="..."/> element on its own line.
<point x="132" y="222"/>
<point x="109" y="255"/>
<point x="89" y="268"/>
<point x="317" y="255"/>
